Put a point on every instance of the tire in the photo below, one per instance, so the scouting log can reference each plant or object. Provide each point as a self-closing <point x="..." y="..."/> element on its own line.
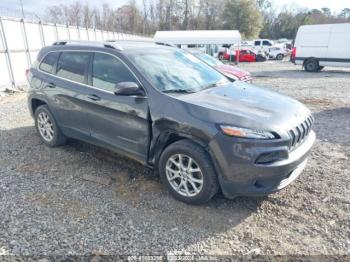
<point x="202" y="170"/>
<point x="280" y="57"/>
<point x="260" y="58"/>
<point x="311" y="65"/>
<point x="47" y="127"/>
<point x="221" y="57"/>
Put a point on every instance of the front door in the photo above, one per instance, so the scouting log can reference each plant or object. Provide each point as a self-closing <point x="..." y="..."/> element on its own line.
<point x="118" y="122"/>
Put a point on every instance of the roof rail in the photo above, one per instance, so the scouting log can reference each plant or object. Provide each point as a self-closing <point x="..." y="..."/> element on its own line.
<point x="60" y="43"/>
<point x="131" y="40"/>
<point x="88" y="43"/>
<point x="166" y="44"/>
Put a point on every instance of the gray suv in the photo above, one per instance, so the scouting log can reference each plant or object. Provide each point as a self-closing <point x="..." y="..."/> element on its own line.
<point x="170" y="111"/>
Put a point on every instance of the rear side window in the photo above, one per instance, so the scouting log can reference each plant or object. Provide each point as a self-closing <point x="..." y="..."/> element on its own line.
<point x="49" y="61"/>
<point x="257" y="43"/>
<point x="73" y="66"/>
<point x="107" y="71"/>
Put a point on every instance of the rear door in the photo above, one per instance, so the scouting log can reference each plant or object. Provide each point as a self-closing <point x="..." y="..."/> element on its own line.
<point x="118" y="122"/>
<point x="67" y="91"/>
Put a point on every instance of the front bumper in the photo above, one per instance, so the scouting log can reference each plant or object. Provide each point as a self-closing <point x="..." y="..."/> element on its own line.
<point x="241" y="175"/>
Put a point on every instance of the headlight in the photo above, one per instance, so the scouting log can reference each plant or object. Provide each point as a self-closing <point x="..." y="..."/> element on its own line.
<point x="246" y="132"/>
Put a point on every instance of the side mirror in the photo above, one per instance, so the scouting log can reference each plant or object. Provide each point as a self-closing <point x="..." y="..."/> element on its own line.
<point x="128" y="89"/>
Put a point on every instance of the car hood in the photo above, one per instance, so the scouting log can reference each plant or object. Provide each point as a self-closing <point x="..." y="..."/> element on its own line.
<point x="239" y="73"/>
<point x="246" y="105"/>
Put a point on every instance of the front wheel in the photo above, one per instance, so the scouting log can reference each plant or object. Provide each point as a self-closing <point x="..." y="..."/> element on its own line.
<point x="186" y="170"/>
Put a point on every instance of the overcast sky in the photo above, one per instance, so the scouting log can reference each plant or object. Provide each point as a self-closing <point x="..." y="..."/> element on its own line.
<point x="39" y="6"/>
<point x="334" y="5"/>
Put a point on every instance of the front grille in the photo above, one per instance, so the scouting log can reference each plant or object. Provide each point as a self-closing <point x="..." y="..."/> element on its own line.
<point x="300" y="132"/>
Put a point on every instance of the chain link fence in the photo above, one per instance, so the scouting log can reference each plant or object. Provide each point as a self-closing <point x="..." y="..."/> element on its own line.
<point x="21" y="40"/>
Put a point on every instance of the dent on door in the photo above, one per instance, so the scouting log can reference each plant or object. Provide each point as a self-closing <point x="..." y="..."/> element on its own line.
<point x="120" y="122"/>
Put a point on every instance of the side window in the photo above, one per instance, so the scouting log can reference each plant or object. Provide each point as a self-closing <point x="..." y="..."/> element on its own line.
<point x="107" y="71"/>
<point x="73" y="66"/>
<point x="267" y="43"/>
<point x="257" y="43"/>
<point x="49" y="61"/>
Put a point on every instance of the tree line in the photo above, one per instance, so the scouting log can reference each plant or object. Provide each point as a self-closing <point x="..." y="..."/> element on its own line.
<point x="253" y="18"/>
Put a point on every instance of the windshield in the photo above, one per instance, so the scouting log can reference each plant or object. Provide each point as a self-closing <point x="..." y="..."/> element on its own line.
<point x="207" y="59"/>
<point x="173" y="69"/>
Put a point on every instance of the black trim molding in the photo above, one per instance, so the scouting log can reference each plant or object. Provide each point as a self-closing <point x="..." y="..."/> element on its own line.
<point x="340" y="60"/>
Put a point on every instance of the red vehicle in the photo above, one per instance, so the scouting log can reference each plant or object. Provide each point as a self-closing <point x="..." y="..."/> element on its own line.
<point x="228" y="70"/>
<point x="245" y="55"/>
<point x="293" y="54"/>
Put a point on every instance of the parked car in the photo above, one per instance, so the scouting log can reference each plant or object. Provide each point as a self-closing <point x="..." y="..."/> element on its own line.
<point x="245" y="55"/>
<point x="224" y="52"/>
<point x="249" y="55"/>
<point x="172" y="112"/>
<point x="232" y="72"/>
<point x="277" y="53"/>
<point x="317" y="46"/>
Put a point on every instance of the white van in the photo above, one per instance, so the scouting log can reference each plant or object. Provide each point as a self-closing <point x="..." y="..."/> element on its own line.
<point x="317" y="46"/>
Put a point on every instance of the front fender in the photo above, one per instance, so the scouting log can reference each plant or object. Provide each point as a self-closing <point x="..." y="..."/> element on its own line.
<point x="165" y="132"/>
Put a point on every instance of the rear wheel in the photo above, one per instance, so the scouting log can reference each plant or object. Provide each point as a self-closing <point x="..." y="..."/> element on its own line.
<point x="311" y="65"/>
<point x="279" y="57"/>
<point x="186" y="170"/>
<point x="221" y="56"/>
<point x="47" y="127"/>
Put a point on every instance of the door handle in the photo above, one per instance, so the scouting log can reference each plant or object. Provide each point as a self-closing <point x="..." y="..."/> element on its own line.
<point x="50" y="85"/>
<point x="94" y="97"/>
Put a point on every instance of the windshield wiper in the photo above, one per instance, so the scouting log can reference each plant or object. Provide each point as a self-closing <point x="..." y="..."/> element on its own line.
<point x="183" y="91"/>
<point x="214" y="85"/>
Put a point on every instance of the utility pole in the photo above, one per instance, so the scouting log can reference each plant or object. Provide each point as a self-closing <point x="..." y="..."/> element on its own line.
<point x="22" y="8"/>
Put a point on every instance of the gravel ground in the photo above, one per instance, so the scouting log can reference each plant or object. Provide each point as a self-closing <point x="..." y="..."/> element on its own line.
<point x="48" y="204"/>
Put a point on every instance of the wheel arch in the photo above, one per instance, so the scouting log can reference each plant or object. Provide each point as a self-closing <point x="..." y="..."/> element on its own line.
<point x="36" y="102"/>
<point x="308" y="59"/>
<point x="168" y="137"/>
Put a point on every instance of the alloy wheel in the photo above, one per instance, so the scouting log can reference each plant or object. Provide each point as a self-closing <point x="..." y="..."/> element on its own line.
<point x="184" y="175"/>
<point x="45" y="126"/>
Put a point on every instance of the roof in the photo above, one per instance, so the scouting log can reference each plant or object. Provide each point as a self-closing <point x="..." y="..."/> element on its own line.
<point x="198" y="37"/>
<point x="115" y="44"/>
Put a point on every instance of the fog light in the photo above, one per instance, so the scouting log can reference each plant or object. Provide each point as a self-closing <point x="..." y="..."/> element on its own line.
<point x="270" y="157"/>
